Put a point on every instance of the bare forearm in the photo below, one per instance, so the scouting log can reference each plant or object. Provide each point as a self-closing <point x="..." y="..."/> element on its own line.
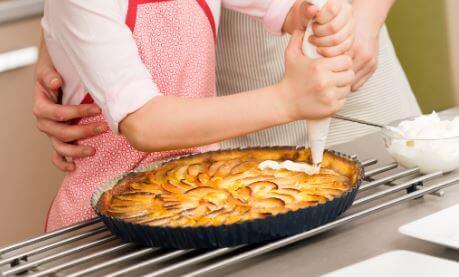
<point x="168" y="122"/>
<point x="374" y="11"/>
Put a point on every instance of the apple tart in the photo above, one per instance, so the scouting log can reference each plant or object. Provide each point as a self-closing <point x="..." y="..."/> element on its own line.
<point x="226" y="187"/>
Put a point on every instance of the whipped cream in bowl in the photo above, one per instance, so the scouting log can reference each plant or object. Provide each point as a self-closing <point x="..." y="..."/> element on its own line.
<point x="430" y="142"/>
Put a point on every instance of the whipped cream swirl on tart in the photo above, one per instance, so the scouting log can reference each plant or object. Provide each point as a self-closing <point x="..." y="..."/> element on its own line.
<point x="226" y="187"/>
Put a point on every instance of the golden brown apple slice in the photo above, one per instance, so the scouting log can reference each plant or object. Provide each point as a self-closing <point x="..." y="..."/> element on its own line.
<point x="217" y="198"/>
<point x="311" y="195"/>
<point x="203" y="179"/>
<point x="287" y="198"/>
<point x="243" y="167"/>
<point x="151" y="188"/>
<point x="269" y="205"/>
<point x="301" y="205"/>
<point x="261" y="188"/>
<point x="214" y="167"/>
<point x="243" y="194"/>
<point x="226" y="168"/>
<point x="173" y="188"/>
<point x="200" y="191"/>
<point x="143" y="197"/>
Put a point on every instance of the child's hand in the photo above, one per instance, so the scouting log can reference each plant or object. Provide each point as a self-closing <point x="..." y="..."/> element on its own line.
<point x="333" y="29"/>
<point x="314" y="89"/>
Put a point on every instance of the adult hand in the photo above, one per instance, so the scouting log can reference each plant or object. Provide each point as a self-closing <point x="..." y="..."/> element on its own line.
<point x="52" y="117"/>
<point x="365" y="51"/>
<point x="369" y="17"/>
<point x="333" y="29"/>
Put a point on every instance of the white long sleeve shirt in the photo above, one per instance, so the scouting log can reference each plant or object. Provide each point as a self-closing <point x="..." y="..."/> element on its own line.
<point x="94" y="51"/>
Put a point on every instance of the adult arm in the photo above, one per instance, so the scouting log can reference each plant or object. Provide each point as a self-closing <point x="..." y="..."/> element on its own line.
<point x="369" y="17"/>
<point x="51" y="117"/>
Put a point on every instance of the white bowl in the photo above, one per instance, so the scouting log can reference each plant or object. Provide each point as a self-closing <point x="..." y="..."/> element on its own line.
<point x="430" y="155"/>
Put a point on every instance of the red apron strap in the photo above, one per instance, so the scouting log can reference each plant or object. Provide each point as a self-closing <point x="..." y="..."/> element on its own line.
<point x="210" y="17"/>
<point x="131" y="14"/>
<point x="131" y="19"/>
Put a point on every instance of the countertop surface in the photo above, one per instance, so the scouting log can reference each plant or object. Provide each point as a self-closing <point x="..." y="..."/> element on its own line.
<point x="344" y="245"/>
<point x="359" y="240"/>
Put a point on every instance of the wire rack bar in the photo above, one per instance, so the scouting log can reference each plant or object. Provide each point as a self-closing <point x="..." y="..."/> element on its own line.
<point x="287" y="241"/>
<point x="50" y="235"/>
<point x="59" y="255"/>
<point x="83" y="259"/>
<point x="38" y="266"/>
<point x="53" y="245"/>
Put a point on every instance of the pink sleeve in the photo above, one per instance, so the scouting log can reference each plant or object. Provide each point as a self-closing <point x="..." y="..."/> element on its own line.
<point x="271" y="12"/>
<point x="100" y="47"/>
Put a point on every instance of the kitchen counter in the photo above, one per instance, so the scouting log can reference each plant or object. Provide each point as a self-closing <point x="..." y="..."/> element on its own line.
<point x="89" y="249"/>
<point x="359" y="240"/>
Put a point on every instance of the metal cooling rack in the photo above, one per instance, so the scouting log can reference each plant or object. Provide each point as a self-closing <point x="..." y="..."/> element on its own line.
<point x="88" y="248"/>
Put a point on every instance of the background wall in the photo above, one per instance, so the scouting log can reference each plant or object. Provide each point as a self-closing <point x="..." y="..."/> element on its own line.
<point x="28" y="179"/>
<point x="452" y="12"/>
<point x="419" y="29"/>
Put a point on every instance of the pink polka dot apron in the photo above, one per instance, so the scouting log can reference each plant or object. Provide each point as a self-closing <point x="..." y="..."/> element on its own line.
<point x="176" y="41"/>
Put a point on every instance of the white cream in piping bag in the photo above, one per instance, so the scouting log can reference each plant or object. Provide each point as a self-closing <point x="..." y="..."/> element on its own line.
<point x="317" y="129"/>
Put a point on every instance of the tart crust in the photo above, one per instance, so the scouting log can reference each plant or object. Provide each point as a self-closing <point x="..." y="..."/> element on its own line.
<point x="225" y="187"/>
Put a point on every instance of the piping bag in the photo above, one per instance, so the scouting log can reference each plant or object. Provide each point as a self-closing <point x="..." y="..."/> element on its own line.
<point x="317" y="129"/>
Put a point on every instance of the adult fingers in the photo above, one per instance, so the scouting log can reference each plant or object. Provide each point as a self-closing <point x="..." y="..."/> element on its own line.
<point x="68" y="133"/>
<point x="338" y="63"/>
<point x="362" y="77"/>
<point x="335" y="38"/>
<point x="336" y="50"/>
<point x="344" y="78"/>
<point x="306" y="13"/>
<point x="49" y="78"/>
<point x="61" y="163"/>
<point x="343" y="92"/>
<point x="71" y="150"/>
<point x="46" y="108"/>
<point x="331" y="10"/>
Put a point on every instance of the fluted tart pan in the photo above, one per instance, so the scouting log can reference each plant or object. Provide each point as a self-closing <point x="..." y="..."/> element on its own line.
<point x="221" y="198"/>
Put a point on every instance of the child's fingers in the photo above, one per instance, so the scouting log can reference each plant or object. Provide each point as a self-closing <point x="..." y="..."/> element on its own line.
<point x="336" y="50"/>
<point x="344" y="78"/>
<point x="338" y="63"/>
<point x="329" y="12"/>
<point x="334" y="39"/>
<point x="333" y="26"/>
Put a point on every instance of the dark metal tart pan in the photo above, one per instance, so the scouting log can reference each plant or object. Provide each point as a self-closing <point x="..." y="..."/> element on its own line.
<point x="245" y="232"/>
